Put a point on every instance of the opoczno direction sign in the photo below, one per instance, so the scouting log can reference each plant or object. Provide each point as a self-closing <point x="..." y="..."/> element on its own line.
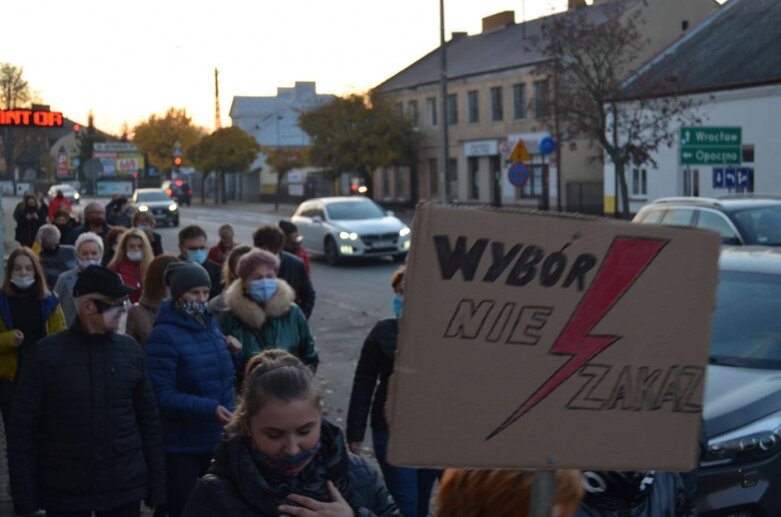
<point x="711" y="145"/>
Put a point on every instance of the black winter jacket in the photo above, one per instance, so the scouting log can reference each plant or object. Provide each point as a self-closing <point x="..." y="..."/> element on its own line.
<point x="293" y="271"/>
<point x="666" y="496"/>
<point x="235" y="485"/>
<point x="85" y="433"/>
<point x="375" y="363"/>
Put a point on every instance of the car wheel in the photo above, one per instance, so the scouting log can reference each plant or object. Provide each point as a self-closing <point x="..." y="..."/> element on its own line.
<point x="399" y="257"/>
<point x="175" y="222"/>
<point x="331" y="252"/>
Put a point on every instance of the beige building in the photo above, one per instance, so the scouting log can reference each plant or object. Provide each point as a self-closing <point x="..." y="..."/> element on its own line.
<point x="495" y="99"/>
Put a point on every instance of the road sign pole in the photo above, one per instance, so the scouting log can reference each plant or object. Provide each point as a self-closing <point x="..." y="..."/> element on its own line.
<point x="543" y="490"/>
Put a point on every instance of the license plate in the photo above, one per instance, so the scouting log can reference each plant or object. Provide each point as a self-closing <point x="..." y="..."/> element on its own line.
<point x="382" y="244"/>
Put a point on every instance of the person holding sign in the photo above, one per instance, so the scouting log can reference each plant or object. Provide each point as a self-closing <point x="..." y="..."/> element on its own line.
<point x="411" y="488"/>
<point x="281" y="457"/>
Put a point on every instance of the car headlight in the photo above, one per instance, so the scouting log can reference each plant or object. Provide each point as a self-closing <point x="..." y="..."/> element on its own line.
<point x="76" y="195"/>
<point x="404" y="231"/>
<point x="348" y="236"/>
<point x="143" y="208"/>
<point x="753" y="442"/>
<point x="172" y="207"/>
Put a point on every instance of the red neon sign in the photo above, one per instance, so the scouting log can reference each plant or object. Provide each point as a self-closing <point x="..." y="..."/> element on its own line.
<point x="30" y="118"/>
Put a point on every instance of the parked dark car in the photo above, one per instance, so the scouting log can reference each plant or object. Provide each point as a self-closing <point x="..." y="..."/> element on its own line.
<point x="178" y="190"/>
<point x="740" y="220"/>
<point x="155" y="201"/>
<point x="739" y="473"/>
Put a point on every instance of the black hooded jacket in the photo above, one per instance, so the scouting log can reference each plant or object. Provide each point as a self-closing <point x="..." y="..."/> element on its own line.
<point x="236" y="486"/>
<point x="375" y="364"/>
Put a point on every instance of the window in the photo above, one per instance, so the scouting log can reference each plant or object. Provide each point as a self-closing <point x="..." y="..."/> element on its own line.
<point x="431" y="106"/>
<point x="433" y="177"/>
<point x="474" y="177"/>
<point x="385" y="182"/>
<point x="653" y="217"/>
<point x="519" y="101"/>
<point x="355" y="210"/>
<point x="718" y="223"/>
<point x="639" y="183"/>
<point x="748" y="154"/>
<point x="473" y="108"/>
<point x="452" y="164"/>
<point x="691" y="182"/>
<point x="399" y="183"/>
<point x="679" y="217"/>
<point x="533" y="187"/>
<point x="541" y="99"/>
<point x="452" y="109"/>
<point x="412" y="108"/>
<point x="497" y="104"/>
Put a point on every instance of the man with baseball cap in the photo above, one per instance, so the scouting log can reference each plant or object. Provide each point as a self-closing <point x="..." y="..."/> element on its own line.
<point x="85" y="434"/>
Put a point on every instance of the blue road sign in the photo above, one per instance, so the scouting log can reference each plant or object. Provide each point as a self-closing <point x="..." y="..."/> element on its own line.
<point x="733" y="177"/>
<point x="518" y="174"/>
<point x="547" y="145"/>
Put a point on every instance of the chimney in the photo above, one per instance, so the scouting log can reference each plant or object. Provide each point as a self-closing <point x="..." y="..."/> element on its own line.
<point x="458" y="35"/>
<point x="498" y="21"/>
<point x="574" y="4"/>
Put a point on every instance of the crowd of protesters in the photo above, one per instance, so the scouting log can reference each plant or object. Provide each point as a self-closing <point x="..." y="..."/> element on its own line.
<point x="186" y="383"/>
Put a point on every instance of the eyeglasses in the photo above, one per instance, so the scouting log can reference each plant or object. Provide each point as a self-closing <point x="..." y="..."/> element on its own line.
<point x="104" y="307"/>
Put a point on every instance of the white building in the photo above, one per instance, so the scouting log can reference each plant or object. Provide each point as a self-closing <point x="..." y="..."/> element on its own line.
<point x="736" y="81"/>
<point x="273" y="121"/>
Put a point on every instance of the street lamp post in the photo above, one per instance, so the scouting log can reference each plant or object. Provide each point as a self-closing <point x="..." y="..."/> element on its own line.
<point x="444" y="175"/>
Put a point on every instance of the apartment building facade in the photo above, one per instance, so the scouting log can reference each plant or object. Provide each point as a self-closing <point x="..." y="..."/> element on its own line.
<point x="496" y="97"/>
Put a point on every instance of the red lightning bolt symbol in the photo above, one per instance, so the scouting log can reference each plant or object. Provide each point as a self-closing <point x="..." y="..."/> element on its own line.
<point x="626" y="260"/>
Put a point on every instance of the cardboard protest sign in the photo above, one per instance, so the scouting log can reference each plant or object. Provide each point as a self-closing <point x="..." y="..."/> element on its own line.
<point x="542" y="341"/>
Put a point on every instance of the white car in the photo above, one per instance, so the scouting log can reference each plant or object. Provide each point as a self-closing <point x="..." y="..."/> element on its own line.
<point x="341" y="227"/>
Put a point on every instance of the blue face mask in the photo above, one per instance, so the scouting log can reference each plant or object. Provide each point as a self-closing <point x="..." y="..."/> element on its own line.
<point x="291" y="465"/>
<point x="262" y="290"/>
<point x="398" y="305"/>
<point x="196" y="256"/>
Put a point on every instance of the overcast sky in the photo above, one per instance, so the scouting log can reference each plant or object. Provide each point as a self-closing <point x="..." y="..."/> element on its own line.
<point x="130" y="59"/>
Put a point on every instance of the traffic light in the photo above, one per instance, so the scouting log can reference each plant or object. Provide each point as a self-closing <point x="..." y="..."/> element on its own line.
<point x="76" y="128"/>
<point x="178" y="161"/>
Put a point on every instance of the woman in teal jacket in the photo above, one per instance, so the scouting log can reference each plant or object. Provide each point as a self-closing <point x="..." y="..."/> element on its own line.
<point x="262" y="313"/>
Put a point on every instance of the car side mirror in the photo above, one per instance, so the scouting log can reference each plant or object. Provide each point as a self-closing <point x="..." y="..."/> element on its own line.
<point x="390" y="213"/>
<point x="317" y="219"/>
<point x="730" y="241"/>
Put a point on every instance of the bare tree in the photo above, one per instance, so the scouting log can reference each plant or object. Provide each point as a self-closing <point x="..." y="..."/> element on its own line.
<point x="14" y="90"/>
<point x="591" y="58"/>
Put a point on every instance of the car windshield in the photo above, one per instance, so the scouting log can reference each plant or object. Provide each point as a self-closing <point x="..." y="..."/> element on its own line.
<point x="64" y="190"/>
<point x="157" y="195"/>
<point x="761" y="225"/>
<point x="354" y="210"/>
<point x="746" y="329"/>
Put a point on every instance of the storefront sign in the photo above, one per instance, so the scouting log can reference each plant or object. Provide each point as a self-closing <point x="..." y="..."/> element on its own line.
<point x="30" y="118"/>
<point x="481" y="148"/>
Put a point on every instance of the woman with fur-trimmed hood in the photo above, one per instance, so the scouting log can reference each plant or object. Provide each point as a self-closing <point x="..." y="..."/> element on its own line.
<point x="262" y="313"/>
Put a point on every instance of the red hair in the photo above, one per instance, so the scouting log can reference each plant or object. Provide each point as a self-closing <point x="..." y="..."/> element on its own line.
<point x="502" y="493"/>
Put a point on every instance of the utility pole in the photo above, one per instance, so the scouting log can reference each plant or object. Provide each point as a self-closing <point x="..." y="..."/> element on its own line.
<point x="444" y="175"/>
<point x="217" y="120"/>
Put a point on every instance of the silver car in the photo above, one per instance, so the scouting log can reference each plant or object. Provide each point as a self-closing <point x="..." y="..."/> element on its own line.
<point x="343" y="227"/>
